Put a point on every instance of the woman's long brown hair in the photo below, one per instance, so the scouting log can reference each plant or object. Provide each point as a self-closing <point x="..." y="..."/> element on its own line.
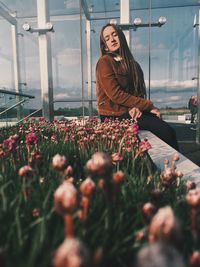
<point x="136" y="77"/>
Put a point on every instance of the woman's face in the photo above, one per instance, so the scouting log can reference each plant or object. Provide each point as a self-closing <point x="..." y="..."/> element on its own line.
<point x="111" y="39"/>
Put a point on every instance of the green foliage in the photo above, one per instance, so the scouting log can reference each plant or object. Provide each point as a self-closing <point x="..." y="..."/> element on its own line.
<point x="74" y="112"/>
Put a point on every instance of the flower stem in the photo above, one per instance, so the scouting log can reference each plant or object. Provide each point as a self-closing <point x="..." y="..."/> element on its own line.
<point x="69" y="229"/>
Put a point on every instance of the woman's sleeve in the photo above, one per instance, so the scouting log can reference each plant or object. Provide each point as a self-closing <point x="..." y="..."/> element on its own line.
<point x="109" y="83"/>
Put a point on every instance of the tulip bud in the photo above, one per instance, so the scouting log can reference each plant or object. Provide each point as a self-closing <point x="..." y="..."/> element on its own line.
<point x="190" y="185"/>
<point x="194" y="259"/>
<point x="118" y="177"/>
<point x="100" y="164"/>
<point x="164" y="227"/>
<point x="149" y="210"/>
<point x="25" y="171"/>
<point x="65" y="198"/>
<point x="87" y="187"/>
<point x="175" y="157"/>
<point x="71" y="253"/>
<point x="59" y="162"/>
<point x="193" y="197"/>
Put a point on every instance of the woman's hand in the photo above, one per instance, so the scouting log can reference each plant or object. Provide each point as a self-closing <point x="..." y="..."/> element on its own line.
<point x="135" y="113"/>
<point x="156" y="112"/>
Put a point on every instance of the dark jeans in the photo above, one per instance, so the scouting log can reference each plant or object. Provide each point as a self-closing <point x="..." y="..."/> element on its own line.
<point x="152" y="123"/>
<point x="193" y="116"/>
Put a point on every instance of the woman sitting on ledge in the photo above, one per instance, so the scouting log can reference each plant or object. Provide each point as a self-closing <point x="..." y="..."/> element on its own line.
<point x="120" y="86"/>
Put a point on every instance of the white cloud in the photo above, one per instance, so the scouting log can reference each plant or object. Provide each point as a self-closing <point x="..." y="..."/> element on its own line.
<point x="71" y="4"/>
<point x="137" y="45"/>
<point x="169" y="99"/>
<point x="69" y="56"/>
<point x="62" y="95"/>
<point x="172" y="84"/>
<point x="161" y="46"/>
<point x="174" y="98"/>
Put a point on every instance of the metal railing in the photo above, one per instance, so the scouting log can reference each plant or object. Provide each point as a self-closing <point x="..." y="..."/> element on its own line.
<point x="90" y="102"/>
<point x="21" y="98"/>
<point x="31" y="114"/>
<point x="3" y="91"/>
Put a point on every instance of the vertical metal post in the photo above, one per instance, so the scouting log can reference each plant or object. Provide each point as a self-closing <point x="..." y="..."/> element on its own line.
<point x="45" y="60"/>
<point x="89" y="64"/>
<point x="125" y="17"/>
<point x="56" y="71"/>
<point x="149" y="82"/>
<point x="81" y="48"/>
<point x="22" y="59"/>
<point x="198" y="86"/>
<point x="16" y="67"/>
<point x="180" y="60"/>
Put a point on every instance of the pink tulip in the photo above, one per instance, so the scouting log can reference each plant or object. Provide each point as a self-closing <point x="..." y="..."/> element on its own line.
<point x="71" y="253"/>
<point x="59" y="162"/>
<point x="118" y="177"/>
<point x="100" y="164"/>
<point x="194" y="259"/>
<point x="25" y="171"/>
<point x="164" y="227"/>
<point x="65" y="201"/>
<point x="65" y="198"/>
<point x="87" y="187"/>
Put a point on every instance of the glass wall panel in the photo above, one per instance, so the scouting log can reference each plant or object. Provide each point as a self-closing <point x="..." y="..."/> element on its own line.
<point x="29" y="65"/>
<point x="67" y="60"/>
<point x="6" y="55"/>
<point x="6" y="69"/>
<point x="168" y="55"/>
<point x="67" y="63"/>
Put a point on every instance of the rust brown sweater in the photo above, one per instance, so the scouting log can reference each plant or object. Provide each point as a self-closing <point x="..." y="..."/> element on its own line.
<point x="111" y="84"/>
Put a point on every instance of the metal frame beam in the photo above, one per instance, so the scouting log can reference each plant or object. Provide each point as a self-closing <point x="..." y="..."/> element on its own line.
<point x="7" y="16"/>
<point x="45" y="60"/>
<point x="198" y="85"/>
<point x="125" y="17"/>
<point x="85" y="9"/>
<point x="16" y="69"/>
<point x="89" y="64"/>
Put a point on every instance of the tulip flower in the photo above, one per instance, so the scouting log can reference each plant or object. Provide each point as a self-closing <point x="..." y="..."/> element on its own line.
<point x="25" y="173"/>
<point x="100" y="164"/>
<point x="193" y="200"/>
<point x="59" y="162"/>
<point x="190" y="185"/>
<point x="194" y="259"/>
<point x="87" y="188"/>
<point x="65" y="201"/>
<point x="170" y="175"/>
<point x="149" y="210"/>
<point x="71" y="253"/>
<point x="164" y="227"/>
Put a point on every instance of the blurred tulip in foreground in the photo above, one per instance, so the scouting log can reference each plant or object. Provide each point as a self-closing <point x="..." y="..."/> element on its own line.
<point x="71" y="253"/>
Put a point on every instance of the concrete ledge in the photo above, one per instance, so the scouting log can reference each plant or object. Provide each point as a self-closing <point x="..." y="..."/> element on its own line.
<point x="7" y="123"/>
<point x="161" y="151"/>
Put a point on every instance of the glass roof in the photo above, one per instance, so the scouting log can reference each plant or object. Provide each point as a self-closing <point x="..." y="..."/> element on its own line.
<point x="28" y="8"/>
<point x="92" y="8"/>
<point x="113" y="5"/>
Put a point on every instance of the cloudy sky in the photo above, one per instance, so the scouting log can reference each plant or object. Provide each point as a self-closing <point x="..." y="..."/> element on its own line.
<point x="171" y="50"/>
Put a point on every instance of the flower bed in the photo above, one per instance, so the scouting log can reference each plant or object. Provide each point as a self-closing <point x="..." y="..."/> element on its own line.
<point x="63" y="182"/>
